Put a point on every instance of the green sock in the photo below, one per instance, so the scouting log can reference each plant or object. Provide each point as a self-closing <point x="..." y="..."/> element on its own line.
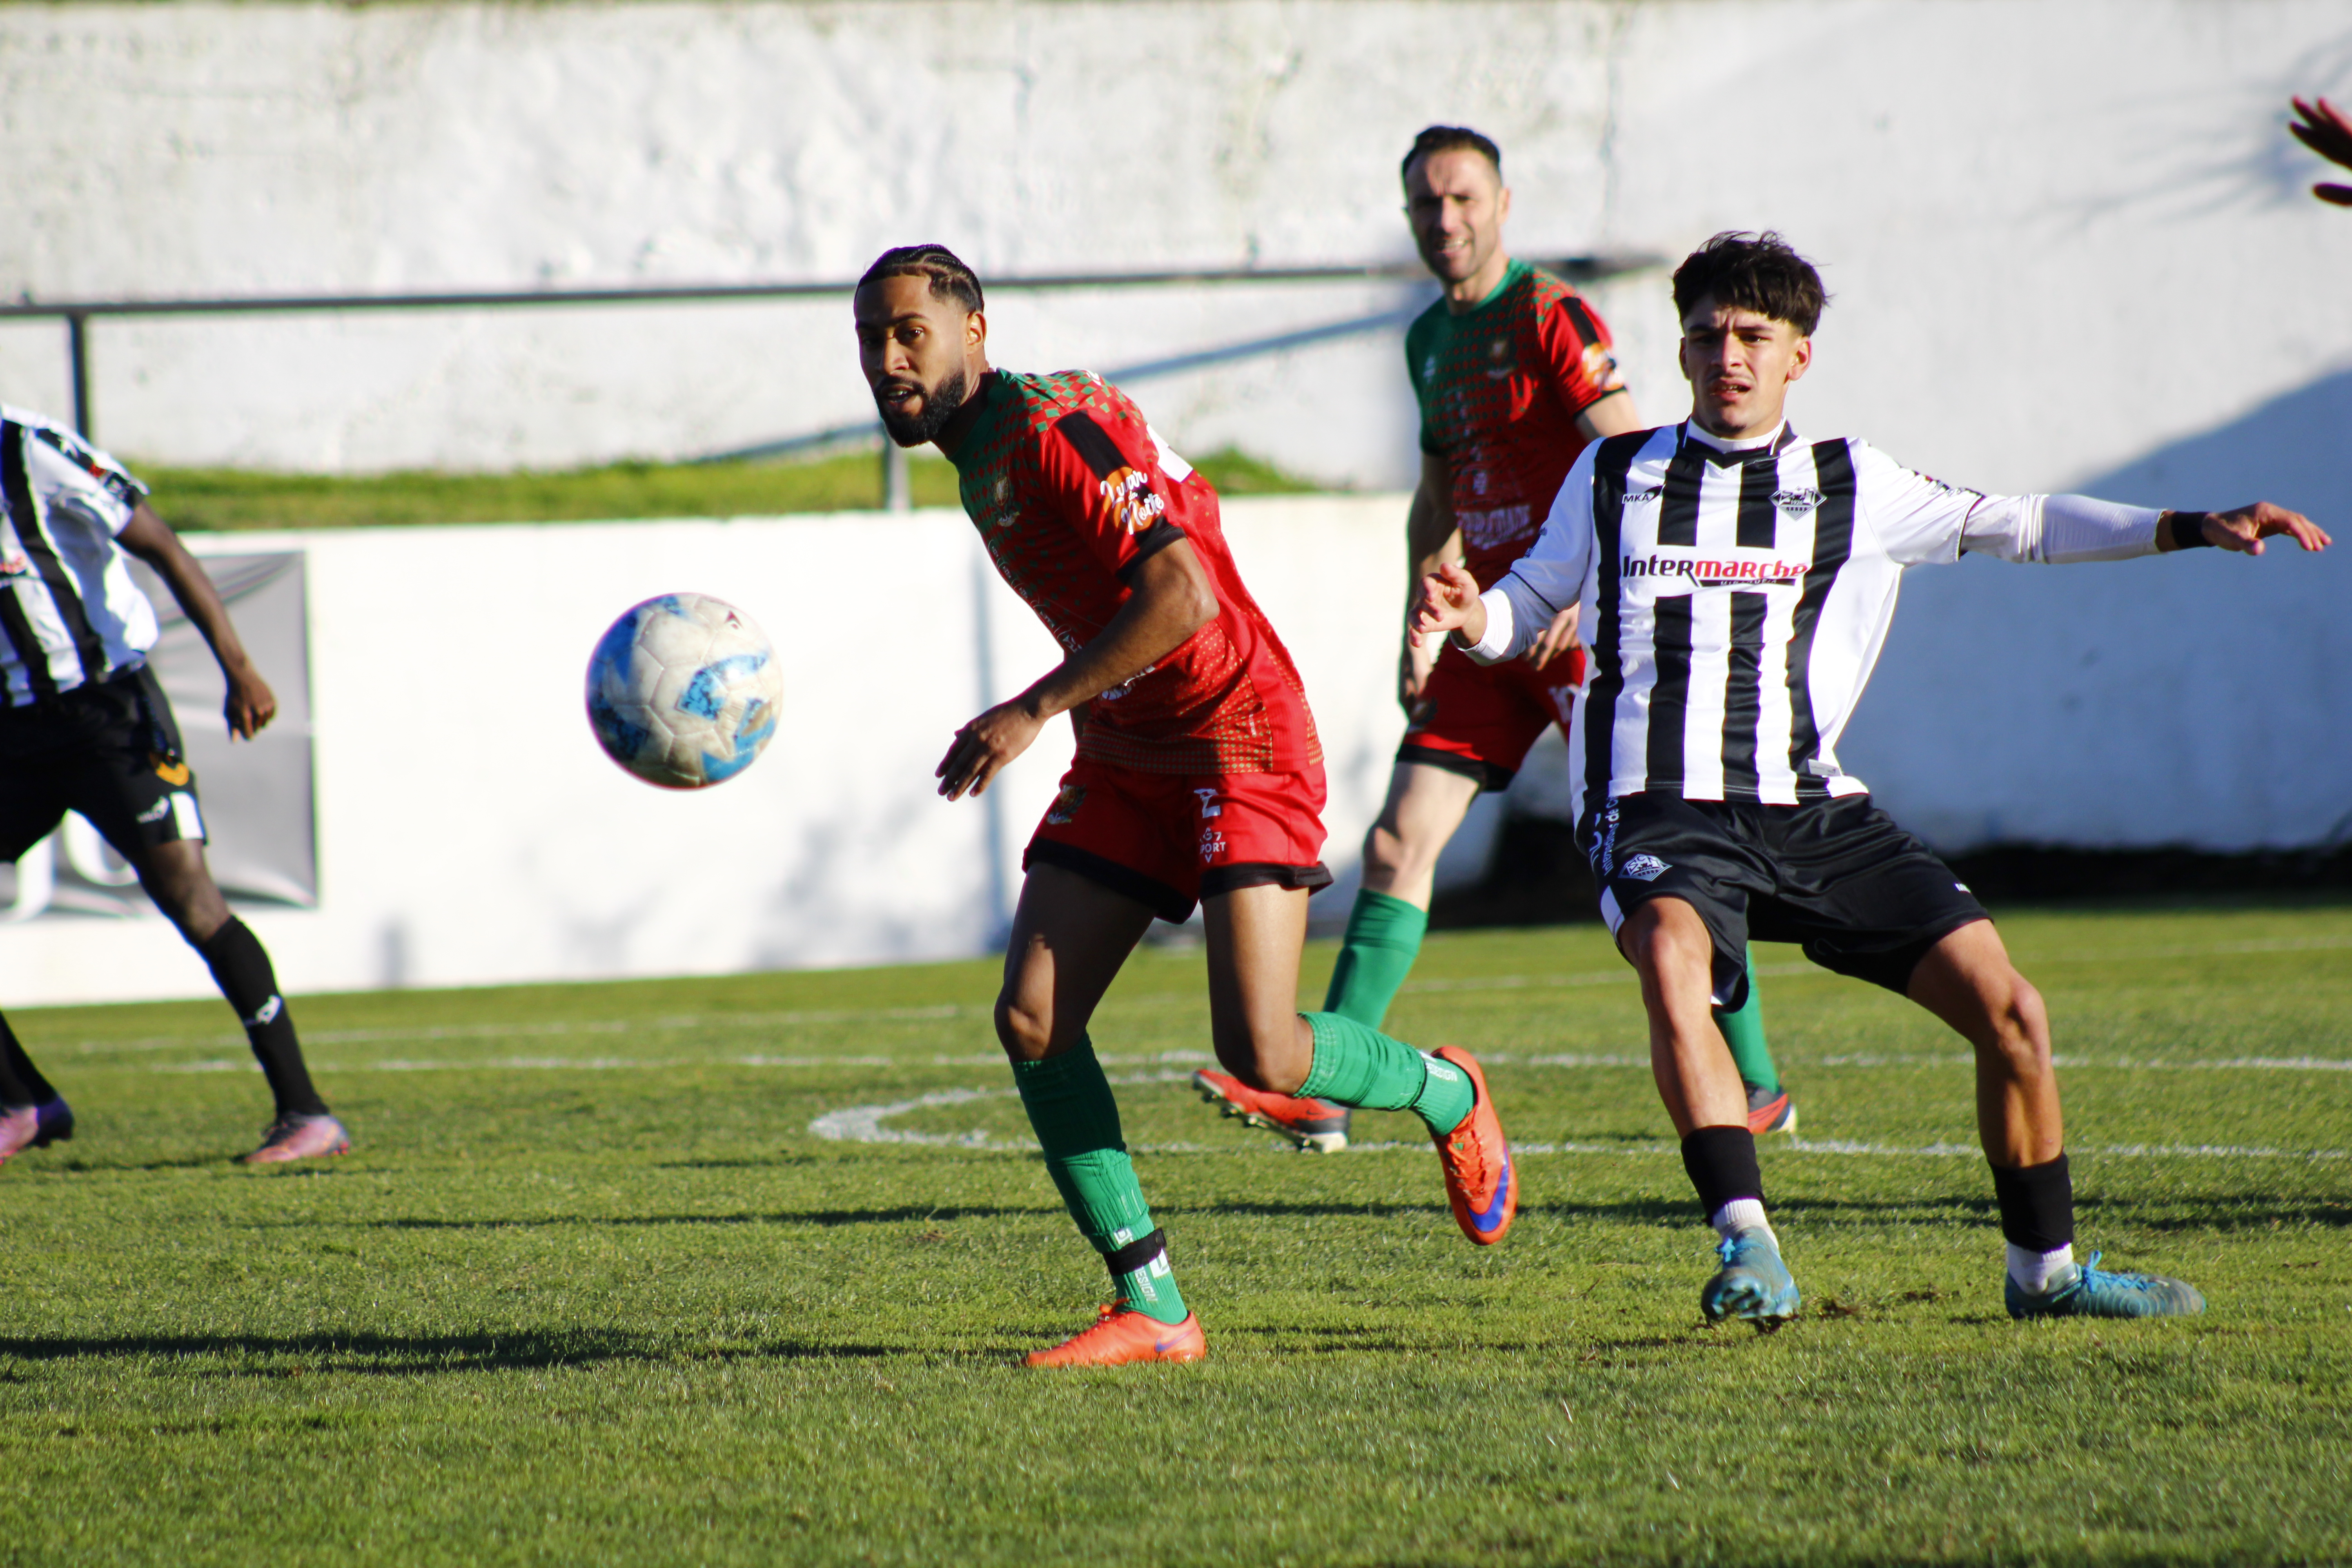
<point x="1743" y="1031"/>
<point x="1383" y="939"/>
<point x="1357" y="1065"/>
<point x="1077" y="1120"/>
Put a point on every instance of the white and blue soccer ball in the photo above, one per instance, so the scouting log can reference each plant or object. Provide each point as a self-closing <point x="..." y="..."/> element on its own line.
<point x="683" y="690"/>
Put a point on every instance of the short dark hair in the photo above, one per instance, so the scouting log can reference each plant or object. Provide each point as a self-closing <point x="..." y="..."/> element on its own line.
<point x="950" y="279"/>
<point x="1757" y="272"/>
<point x="1450" y="139"/>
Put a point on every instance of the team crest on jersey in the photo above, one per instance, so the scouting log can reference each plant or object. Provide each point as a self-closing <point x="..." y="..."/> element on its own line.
<point x="171" y="772"/>
<point x="1643" y="867"/>
<point x="1798" y="502"/>
<point x="1065" y="804"/>
<point x="1129" y="500"/>
<point x="1504" y="366"/>
<point x="1209" y="806"/>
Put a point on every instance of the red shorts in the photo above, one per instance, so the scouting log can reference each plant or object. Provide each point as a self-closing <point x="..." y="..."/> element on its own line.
<point x="1168" y="840"/>
<point x="1478" y="720"/>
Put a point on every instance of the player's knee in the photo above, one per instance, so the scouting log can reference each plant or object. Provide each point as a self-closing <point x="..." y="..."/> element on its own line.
<point x="1391" y="853"/>
<point x="1026" y="1032"/>
<point x="1259" y="1056"/>
<point x="186" y="896"/>
<point x="2017" y="1029"/>
<point x="1658" y="941"/>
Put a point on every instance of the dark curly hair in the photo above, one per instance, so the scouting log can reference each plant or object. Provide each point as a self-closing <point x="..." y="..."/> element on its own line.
<point x="1757" y="272"/>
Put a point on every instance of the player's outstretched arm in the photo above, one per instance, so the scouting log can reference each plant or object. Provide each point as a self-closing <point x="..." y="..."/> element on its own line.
<point x="2325" y="129"/>
<point x="251" y="705"/>
<point x="1171" y="598"/>
<point x="2241" y="528"/>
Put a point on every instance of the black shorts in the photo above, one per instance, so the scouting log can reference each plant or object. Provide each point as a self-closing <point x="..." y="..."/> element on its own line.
<point x="1861" y="895"/>
<point x="110" y="751"/>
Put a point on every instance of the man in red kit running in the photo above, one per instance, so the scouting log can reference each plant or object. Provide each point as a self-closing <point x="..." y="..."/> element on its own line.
<point x="1198" y="778"/>
<point x="1513" y="373"/>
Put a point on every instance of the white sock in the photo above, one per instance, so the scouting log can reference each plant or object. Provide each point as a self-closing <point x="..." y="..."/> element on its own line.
<point x="1741" y="1214"/>
<point x="2035" y="1272"/>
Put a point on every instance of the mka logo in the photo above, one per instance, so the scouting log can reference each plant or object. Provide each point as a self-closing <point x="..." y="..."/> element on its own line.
<point x="1711" y="573"/>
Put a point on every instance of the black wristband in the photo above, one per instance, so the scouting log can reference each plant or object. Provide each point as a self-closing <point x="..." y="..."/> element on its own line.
<point x="2189" y="530"/>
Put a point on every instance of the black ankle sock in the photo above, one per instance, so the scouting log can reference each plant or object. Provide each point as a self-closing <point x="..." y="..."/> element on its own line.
<point x="1722" y="1165"/>
<point x="21" y="1083"/>
<point x="2037" y="1205"/>
<point x="240" y="967"/>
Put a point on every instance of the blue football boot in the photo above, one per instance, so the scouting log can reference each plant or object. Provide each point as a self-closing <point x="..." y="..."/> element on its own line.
<point x="1753" y="1283"/>
<point x="2095" y="1293"/>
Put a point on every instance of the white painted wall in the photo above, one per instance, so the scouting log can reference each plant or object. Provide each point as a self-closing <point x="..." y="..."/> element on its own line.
<point x="2063" y="234"/>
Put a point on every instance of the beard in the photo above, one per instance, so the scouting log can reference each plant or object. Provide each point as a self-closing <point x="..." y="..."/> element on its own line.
<point x="939" y="405"/>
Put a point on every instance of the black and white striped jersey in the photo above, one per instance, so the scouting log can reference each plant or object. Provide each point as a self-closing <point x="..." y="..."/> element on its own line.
<point x="70" y="612"/>
<point x="1735" y="594"/>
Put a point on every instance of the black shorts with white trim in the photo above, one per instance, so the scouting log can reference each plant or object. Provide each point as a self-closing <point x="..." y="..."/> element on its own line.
<point x="110" y="751"/>
<point x="1863" y="897"/>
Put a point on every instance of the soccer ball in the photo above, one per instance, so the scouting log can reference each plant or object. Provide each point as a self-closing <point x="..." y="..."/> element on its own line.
<point x="683" y="690"/>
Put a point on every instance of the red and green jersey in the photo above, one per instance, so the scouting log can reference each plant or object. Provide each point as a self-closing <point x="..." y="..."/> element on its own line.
<point x="1072" y="491"/>
<point x="1500" y="387"/>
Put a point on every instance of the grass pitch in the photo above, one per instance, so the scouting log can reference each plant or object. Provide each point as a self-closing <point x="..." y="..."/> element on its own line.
<point x="227" y="500"/>
<point x="737" y="1270"/>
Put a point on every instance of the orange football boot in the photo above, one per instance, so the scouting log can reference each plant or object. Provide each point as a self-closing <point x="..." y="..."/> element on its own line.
<point x="1317" y="1126"/>
<point x="1481" y="1182"/>
<point x="1122" y="1335"/>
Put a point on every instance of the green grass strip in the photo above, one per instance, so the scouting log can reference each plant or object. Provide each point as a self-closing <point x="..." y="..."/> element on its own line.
<point x="225" y="499"/>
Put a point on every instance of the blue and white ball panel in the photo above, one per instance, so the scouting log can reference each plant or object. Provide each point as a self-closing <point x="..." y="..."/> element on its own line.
<point x="683" y="690"/>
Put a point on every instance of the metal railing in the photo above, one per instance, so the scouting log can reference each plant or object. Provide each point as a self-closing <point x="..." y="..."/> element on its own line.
<point x="78" y="315"/>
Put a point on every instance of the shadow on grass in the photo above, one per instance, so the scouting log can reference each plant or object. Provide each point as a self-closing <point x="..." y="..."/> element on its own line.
<point x="413" y="1354"/>
<point x="79" y="1165"/>
<point x="825" y="1217"/>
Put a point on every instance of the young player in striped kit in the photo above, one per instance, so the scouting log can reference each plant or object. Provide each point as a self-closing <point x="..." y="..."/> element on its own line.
<point x="1736" y="583"/>
<point x="1198" y="779"/>
<point x="1513" y="376"/>
<point x="84" y="727"/>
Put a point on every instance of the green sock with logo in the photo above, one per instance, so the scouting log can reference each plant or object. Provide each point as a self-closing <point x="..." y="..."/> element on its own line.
<point x="1076" y="1122"/>
<point x="1743" y="1031"/>
<point x="1383" y="938"/>
<point x="1357" y="1065"/>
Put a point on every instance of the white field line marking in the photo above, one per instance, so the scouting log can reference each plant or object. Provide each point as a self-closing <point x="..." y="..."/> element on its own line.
<point x="2078" y="1063"/>
<point x="864" y="1125"/>
<point x="785" y="1020"/>
<point x="624" y="1063"/>
<point x="1203" y="1059"/>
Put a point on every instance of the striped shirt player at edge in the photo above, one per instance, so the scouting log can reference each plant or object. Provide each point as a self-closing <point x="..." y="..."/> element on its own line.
<point x="1197" y="778"/>
<point x="86" y="728"/>
<point x="1514" y="375"/>
<point x="1737" y="581"/>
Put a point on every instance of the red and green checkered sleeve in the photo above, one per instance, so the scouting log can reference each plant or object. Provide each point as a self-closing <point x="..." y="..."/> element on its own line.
<point x="1575" y="343"/>
<point x="1103" y="474"/>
